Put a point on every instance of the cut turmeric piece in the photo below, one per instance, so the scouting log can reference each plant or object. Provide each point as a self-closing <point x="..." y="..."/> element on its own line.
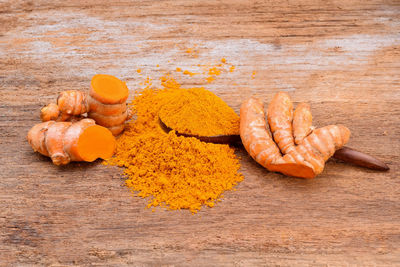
<point x="64" y="142"/>
<point x="108" y="89"/>
<point x="109" y="120"/>
<point x="96" y="142"/>
<point x="106" y="110"/>
<point x="293" y="169"/>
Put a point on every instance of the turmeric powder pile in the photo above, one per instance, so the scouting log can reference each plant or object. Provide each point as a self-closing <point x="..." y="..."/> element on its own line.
<point x="200" y="112"/>
<point x="174" y="171"/>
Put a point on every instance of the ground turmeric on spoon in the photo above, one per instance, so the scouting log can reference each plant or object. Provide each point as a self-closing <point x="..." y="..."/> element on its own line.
<point x="200" y="112"/>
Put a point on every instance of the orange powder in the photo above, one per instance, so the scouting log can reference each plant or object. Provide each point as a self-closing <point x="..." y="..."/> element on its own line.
<point x="173" y="171"/>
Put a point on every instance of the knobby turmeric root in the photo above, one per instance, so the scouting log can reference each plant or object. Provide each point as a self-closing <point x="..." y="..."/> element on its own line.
<point x="105" y="103"/>
<point x="280" y="153"/>
<point x="302" y="122"/>
<point x="72" y="141"/>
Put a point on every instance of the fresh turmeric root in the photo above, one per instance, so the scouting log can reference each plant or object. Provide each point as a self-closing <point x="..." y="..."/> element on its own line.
<point x="302" y="122"/>
<point x="72" y="141"/>
<point x="313" y="149"/>
<point x="105" y="103"/>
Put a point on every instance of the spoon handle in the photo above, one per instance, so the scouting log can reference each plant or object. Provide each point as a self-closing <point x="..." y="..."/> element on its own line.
<point x="360" y="159"/>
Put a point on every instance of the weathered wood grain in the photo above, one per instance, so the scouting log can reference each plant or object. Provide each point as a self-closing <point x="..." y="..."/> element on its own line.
<point x="343" y="57"/>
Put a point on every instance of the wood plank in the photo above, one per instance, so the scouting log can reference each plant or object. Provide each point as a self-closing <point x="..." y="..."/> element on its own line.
<point x="342" y="57"/>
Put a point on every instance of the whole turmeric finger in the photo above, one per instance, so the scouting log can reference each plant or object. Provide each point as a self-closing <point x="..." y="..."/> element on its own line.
<point x="254" y="134"/>
<point x="259" y="144"/>
<point x="70" y="105"/>
<point x="280" y="116"/>
<point x="54" y="142"/>
<point x="302" y="122"/>
<point x="36" y="137"/>
<point x="305" y="160"/>
<point x="320" y="145"/>
<point x="51" y="112"/>
<point x="73" y="102"/>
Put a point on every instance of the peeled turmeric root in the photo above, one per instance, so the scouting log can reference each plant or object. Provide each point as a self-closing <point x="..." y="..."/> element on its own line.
<point x="281" y="154"/>
<point x="72" y="141"/>
<point x="105" y="103"/>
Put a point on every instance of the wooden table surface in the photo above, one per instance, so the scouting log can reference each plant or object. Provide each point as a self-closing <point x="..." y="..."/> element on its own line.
<point x="343" y="57"/>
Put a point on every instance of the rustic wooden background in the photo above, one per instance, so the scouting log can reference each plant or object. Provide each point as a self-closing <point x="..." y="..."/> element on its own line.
<point x="341" y="56"/>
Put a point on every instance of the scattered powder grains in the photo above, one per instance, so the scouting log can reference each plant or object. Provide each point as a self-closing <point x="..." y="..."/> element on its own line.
<point x="177" y="172"/>
<point x="214" y="71"/>
<point x="210" y="71"/>
<point x="186" y="72"/>
<point x="209" y="79"/>
<point x="192" y="52"/>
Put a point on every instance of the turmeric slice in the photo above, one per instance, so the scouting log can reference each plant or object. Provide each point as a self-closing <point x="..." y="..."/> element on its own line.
<point x="305" y="160"/>
<point x="108" y="89"/>
<point x="96" y="106"/>
<point x="95" y="142"/>
<point x="64" y="142"/>
<point x="109" y="120"/>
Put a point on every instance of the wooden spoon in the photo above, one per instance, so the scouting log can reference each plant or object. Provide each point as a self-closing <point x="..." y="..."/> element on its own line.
<point x="360" y="159"/>
<point x="345" y="153"/>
